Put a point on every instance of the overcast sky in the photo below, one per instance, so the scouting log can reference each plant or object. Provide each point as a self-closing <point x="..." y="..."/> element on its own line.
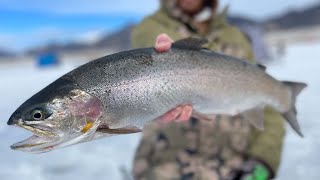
<point x="32" y="22"/>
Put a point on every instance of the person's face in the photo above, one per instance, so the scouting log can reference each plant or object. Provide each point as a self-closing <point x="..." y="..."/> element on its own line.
<point x="191" y="6"/>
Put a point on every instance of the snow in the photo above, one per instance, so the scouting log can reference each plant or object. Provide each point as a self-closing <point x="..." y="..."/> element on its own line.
<point x="300" y="155"/>
<point x="102" y="159"/>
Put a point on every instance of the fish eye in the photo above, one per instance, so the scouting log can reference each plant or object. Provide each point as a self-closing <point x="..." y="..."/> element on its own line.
<point x="37" y="115"/>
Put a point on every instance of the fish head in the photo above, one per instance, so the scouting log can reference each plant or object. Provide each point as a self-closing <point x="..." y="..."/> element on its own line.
<point x="60" y="115"/>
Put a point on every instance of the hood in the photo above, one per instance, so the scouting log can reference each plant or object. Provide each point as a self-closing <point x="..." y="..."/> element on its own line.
<point x="207" y="12"/>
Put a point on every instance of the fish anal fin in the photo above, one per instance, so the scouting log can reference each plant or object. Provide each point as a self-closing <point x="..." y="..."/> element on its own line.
<point x="123" y="130"/>
<point x="190" y="43"/>
<point x="255" y="117"/>
<point x="201" y="116"/>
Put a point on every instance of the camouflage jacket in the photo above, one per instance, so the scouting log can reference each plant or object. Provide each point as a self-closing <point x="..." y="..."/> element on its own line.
<point x="200" y="149"/>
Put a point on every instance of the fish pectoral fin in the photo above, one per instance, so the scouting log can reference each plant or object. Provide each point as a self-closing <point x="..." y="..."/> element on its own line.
<point x="201" y="116"/>
<point x="123" y="130"/>
<point x="255" y="117"/>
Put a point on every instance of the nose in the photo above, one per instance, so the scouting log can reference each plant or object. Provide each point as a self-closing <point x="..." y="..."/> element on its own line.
<point x="12" y="120"/>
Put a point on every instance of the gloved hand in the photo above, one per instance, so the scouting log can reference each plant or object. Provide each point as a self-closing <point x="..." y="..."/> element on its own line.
<point x="253" y="169"/>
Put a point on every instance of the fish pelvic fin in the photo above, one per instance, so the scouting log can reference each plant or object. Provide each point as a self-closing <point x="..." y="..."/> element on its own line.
<point x="291" y="115"/>
<point x="123" y="130"/>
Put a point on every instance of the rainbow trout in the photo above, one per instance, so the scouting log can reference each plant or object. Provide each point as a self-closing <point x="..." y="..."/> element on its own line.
<point x="120" y="93"/>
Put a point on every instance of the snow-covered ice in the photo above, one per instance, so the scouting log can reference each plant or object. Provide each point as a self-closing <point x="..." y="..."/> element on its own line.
<point x="103" y="158"/>
<point x="300" y="158"/>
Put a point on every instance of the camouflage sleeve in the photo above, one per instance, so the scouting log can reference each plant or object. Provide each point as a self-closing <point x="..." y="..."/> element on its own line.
<point x="266" y="144"/>
<point x="155" y="154"/>
<point x="144" y="34"/>
<point x="142" y="163"/>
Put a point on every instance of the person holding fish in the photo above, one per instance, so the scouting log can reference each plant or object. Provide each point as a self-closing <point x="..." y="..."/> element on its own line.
<point x="224" y="148"/>
<point x="215" y="96"/>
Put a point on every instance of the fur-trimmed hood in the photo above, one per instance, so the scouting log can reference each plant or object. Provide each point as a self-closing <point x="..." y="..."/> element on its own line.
<point x="208" y="11"/>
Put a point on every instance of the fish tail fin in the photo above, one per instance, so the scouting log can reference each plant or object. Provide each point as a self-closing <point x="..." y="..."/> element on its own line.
<point x="291" y="115"/>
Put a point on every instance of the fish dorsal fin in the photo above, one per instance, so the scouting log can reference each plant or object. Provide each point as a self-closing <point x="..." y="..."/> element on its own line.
<point x="262" y="67"/>
<point x="190" y="43"/>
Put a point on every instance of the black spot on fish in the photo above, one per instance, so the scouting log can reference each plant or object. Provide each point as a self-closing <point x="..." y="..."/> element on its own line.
<point x="95" y="90"/>
<point x="108" y="91"/>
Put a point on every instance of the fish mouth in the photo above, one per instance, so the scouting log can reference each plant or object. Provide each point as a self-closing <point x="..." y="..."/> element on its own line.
<point x="46" y="139"/>
<point x="43" y="140"/>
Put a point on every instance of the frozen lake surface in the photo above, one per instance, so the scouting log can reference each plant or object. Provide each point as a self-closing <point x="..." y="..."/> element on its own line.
<point x="103" y="158"/>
